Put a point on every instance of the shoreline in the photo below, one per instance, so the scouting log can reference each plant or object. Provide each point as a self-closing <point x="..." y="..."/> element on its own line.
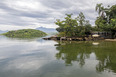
<point x="76" y="39"/>
<point x="110" y="39"/>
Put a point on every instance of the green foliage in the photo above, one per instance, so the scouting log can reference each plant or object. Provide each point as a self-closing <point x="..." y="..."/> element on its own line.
<point x="107" y="20"/>
<point x="25" y="33"/>
<point x="81" y="19"/>
<point x="80" y="51"/>
<point x="67" y="26"/>
<point x="73" y="27"/>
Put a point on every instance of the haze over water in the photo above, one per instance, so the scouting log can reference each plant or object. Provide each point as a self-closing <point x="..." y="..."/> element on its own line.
<point x="41" y="58"/>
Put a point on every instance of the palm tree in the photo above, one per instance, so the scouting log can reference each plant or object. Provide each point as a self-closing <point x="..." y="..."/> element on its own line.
<point x="100" y="9"/>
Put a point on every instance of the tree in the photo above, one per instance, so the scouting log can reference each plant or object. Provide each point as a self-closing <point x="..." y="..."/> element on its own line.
<point x="81" y="19"/>
<point x="76" y="27"/>
<point x="100" y="9"/>
<point x="88" y="28"/>
<point x="108" y="21"/>
<point x="67" y="27"/>
<point x="85" y="26"/>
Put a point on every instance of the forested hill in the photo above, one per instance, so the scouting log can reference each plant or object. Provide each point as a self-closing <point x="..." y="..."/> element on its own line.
<point x="25" y="33"/>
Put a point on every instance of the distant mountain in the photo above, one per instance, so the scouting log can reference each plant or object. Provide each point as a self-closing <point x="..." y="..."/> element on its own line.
<point x="47" y="30"/>
<point x="2" y="31"/>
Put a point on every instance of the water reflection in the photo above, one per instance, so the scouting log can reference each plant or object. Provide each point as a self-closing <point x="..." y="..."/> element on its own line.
<point x="22" y="58"/>
<point x="41" y="58"/>
<point x="95" y="43"/>
<point x="79" y="52"/>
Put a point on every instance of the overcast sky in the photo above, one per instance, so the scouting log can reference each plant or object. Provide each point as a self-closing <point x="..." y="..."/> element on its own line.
<point x="21" y="14"/>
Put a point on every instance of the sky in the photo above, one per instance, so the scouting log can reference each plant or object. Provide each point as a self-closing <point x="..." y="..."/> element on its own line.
<point x="23" y="14"/>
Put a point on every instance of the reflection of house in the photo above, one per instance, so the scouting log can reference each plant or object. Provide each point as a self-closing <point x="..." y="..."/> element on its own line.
<point x="106" y="35"/>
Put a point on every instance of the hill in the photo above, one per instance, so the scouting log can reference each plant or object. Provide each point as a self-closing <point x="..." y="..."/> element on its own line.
<point x="25" y="33"/>
<point x="47" y="30"/>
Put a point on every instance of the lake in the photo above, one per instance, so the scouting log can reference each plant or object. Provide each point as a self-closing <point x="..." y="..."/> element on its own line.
<point x="47" y="58"/>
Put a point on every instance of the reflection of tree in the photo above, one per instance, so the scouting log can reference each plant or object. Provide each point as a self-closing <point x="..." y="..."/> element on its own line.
<point x="75" y="51"/>
<point x="72" y="52"/>
<point x="107" y="57"/>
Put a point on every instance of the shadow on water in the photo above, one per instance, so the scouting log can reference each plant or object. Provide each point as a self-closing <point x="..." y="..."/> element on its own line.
<point x="105" y="54"/>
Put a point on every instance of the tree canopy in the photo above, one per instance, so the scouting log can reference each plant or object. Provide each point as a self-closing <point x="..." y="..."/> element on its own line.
<point x="72" y="27"/>
<point x="106" y="21"/>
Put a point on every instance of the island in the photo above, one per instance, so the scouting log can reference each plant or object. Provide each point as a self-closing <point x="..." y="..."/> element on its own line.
<point x="25" y="33"/>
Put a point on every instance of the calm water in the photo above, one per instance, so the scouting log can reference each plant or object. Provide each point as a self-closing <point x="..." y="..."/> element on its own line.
<point x="40" y="58"/>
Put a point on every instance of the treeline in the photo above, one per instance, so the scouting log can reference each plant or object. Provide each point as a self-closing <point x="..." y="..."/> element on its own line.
<point x="79" y="26"/>
<point x="25" y="33"/>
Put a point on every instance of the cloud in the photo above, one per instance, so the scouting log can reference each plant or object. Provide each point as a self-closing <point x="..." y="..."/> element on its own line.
<point x="20" y="14"/>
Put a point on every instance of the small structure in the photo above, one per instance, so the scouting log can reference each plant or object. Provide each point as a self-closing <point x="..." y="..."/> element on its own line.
<point x="105" y="35"/>
<point x="95" y="35"/>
